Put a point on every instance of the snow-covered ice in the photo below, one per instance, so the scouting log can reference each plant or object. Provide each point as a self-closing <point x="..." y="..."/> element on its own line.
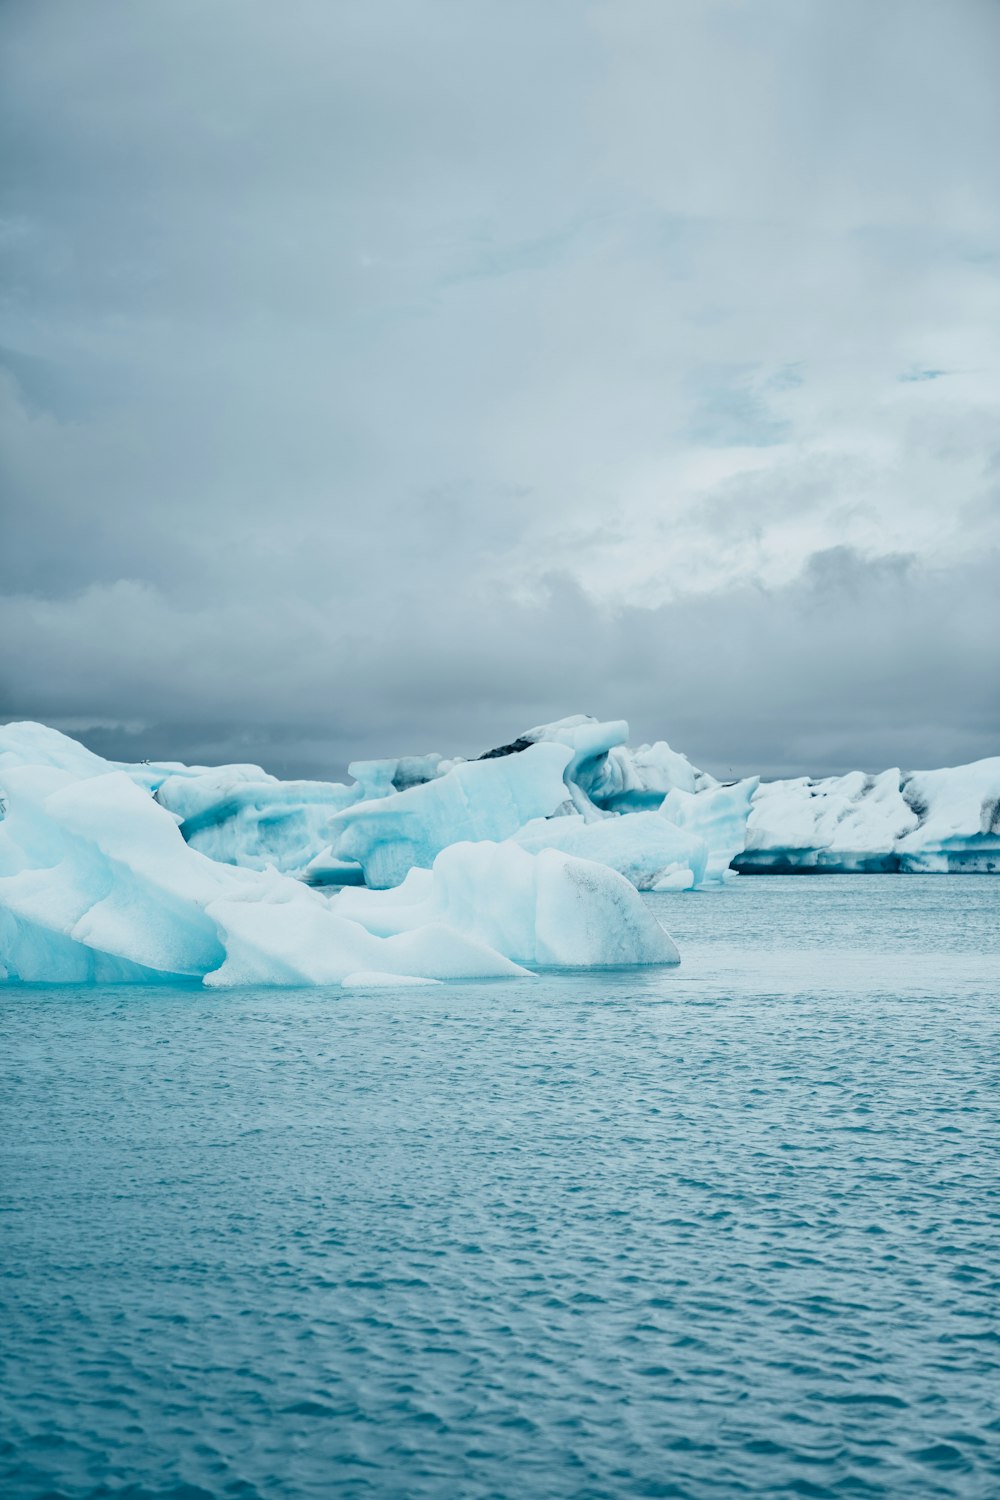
<point x="943" y="821"/>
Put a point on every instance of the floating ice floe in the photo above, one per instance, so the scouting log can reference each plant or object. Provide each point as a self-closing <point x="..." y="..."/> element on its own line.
<point x="97" y="884"/>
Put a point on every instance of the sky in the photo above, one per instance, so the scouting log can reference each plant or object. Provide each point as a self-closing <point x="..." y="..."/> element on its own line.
<point x="386" y="377"/>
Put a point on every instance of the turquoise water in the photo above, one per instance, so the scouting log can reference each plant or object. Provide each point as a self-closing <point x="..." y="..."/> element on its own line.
<point x="730" y="1230"/>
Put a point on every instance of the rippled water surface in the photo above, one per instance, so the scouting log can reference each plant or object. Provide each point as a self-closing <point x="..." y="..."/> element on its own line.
<point x="726" y="1230"/>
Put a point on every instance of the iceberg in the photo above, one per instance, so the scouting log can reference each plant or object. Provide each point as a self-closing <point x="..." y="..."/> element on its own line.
<point x="236" y="814"/>
<point x="716" y="814"/>
<point x="958" y="820"/>
<point x="226" y="875"/>
<point x="652" y="853"/>
<point x="98" y="884"/>
<point x="847" y="822"/>
<point x="945" y="821"/>
<point x="478" y="799"/>
<point x="603" y="773"/>
<point x="556" y="911"/>
<point x="557" y="786"/>
<point x="257" y="822"/>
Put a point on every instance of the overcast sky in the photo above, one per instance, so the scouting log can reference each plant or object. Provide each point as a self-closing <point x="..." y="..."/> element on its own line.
<point x="394" y="375"/>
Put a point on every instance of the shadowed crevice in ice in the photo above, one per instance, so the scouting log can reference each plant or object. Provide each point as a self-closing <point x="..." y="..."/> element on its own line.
<point x="514" y="748"/>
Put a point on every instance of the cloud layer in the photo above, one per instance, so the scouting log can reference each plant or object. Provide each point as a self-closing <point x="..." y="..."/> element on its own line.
<point x="391" y="377"/>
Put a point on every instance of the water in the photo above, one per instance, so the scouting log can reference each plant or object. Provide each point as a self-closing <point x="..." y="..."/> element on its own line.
<point x="730" y="1230"/>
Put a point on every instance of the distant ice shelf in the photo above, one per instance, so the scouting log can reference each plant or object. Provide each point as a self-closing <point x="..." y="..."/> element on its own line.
<point x="921" y="822"/>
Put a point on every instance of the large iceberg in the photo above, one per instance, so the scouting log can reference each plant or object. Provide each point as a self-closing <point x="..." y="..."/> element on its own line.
<point x="397" y="813"/>
<point x="97" y="883"/>
<point x="945" y="821"/>
<point x="557" y="786"/>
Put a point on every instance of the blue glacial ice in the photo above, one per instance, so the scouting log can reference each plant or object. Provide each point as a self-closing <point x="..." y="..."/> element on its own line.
<point x="530" y="855"/>
<point x="604" y="773"/>
<point x="718" y="815"/>
<point x="553" y="787"/>
<point x="97" y="884"/>
<point x="477" y="799"/>
<point x="942" y="821"/>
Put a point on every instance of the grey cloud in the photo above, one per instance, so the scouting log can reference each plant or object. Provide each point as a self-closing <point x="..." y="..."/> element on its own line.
<point x="394" y="376"/>
<point x="857" y="661"/>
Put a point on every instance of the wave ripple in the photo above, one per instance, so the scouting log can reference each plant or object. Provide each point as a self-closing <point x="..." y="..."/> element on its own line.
<point x="731" y="1231"/>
